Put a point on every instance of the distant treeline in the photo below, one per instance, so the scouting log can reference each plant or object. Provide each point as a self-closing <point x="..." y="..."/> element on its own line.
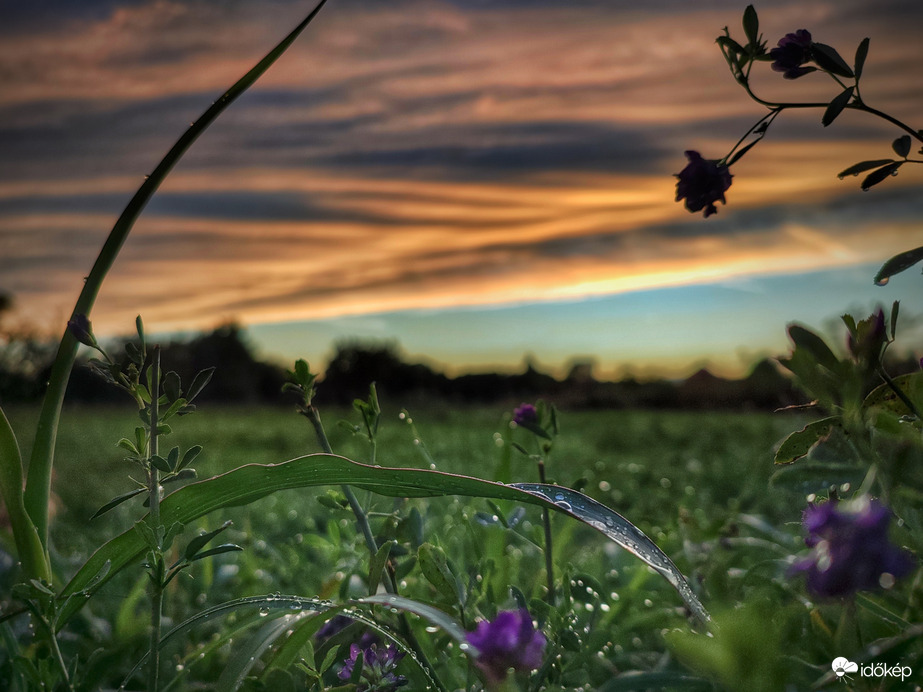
<point x="241" y="378"/>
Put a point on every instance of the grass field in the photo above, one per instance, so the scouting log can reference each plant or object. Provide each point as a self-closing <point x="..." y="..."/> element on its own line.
<point x="696" y="482"/>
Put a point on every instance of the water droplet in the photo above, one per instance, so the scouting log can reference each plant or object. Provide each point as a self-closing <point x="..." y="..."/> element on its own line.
<point x="264" y="612"/>
<point x="883" y="281"/>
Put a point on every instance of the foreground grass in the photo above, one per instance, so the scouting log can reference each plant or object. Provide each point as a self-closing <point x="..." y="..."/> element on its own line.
<point x="696" y="482"/>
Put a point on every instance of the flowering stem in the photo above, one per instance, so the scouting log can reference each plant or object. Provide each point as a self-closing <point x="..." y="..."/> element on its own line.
<point x="546" y="522"/>
<point x="390" y="582"/>
<point x="153" y="489"/>
<point x="857" y="105"/>
<point x="362" y="520"/>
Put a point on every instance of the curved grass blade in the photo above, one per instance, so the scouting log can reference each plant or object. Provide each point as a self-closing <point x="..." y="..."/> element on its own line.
<point x="248" y="483"/>
<point x="428" y="612"/>
<point x="28" y="543"/>
<point x="616" y="527"/>
<point x="280" y="606"/>
<point x="38" y="485"/>
<point x="243" y="658"/>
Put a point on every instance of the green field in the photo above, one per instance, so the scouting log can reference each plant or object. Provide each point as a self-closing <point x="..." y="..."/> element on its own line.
<point x="696" y="482"/>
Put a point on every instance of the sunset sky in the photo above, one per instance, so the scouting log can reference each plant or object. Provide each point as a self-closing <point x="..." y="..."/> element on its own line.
<point x="474" y="179"/>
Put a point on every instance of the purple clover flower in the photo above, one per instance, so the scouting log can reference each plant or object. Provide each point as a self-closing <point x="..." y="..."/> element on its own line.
<point x="525" y="414"/>
<point x="793" y="51"/>
<point x="377" y="668"/>
<point x="702" y="183"/>
<point x="507" y="641"/>
<point x="850" y="549"/>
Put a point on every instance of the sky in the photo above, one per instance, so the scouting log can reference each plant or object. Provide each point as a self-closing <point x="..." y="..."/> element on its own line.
<point x="478" y="181"/>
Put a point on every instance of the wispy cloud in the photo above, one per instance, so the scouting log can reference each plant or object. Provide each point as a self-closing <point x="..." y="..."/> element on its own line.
<point x="423" y="154"/>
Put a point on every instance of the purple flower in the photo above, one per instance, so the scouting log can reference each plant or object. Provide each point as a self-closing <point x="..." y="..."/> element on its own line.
<point x="702" y="183"/>
<point x="507" y="641"/>
<point x="377" y="668"/>
<point x="81" y="329"/>
<point x="525" y="414"/>
<point x="793" y="51"/>
<point x="850" y="549"/>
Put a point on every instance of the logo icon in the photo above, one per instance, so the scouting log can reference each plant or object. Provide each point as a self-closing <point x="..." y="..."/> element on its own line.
<point x="841" y="666"/>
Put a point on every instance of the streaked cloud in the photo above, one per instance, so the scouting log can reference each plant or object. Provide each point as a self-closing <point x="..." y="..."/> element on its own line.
<point x="425" y="155"/>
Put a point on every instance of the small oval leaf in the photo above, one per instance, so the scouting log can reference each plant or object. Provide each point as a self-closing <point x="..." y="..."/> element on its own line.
<point x="901" y="146"/>
<point x="881" y="174"/>
<point x="863" y="166"/>
<point x="828" y="59"/>
<point x="897" y="264"/>
<point x="861" y="54"/>
<point x="836" y="106"/>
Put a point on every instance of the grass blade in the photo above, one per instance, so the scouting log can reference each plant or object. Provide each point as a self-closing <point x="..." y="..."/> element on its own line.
<point x="38" y="486"/>
<point x="28" y="543"/>
<point x="249" y="483"/>
<point x="252" y="482"/>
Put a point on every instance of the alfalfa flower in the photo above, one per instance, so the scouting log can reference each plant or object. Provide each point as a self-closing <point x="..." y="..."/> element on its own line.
<point x="509" y="641"/>
<point x="378" y="668"/>
<point x="850" y="549"/>
<point x="525" y="414"/>
<point x="702" y="183"/>
<point x="790" y="56"/>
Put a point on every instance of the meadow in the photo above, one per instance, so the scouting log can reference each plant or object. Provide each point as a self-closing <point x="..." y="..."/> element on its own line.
<point x="696" y="482"/>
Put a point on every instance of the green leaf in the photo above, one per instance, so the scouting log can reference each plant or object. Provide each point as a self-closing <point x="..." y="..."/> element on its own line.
<point x="901" y="146"/>
<point x="751" y="24"/>
<point x="139" y="327"/>
<point x="303" y="374"/>
<point x="881" y="174"/>
<point x="828" y="59"/>
<point x="377" y="564"/>
<point x="836" y="106"/>
<point x="171" y="386"/>
<point x="199" y="542"/>
<point x="895" y="309"/>
<point x="217" y="550"/>
<point x="201" y="379"/>
<point x="435" y="568"/>
<point x="161" y="464"/>
<point x="127" y="445"/>
<point x="813" y="344"/>
<point x="800" y="443"/>
<point x="884" y="397"/>
<point x="255" y="481"/>
<point x="116" y="501"/>
<point x="189" y="457"/>
<point x="861" y="54"/>
<point x="863" y="166"/>
<point x="897" y="264"/>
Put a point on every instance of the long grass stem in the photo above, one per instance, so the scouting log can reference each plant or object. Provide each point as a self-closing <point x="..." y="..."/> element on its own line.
<point x="154" y="495"/>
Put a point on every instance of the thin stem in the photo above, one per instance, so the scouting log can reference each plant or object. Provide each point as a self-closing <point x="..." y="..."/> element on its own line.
<point x="362" y="520"/>
<point x="546" y="521"/>
<point x="855" y="105"/>
<point x="56" y="652"/>
<point x="312" y="414"/>
<point x="899" y="393"/>
<point x="154" y="495"/>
